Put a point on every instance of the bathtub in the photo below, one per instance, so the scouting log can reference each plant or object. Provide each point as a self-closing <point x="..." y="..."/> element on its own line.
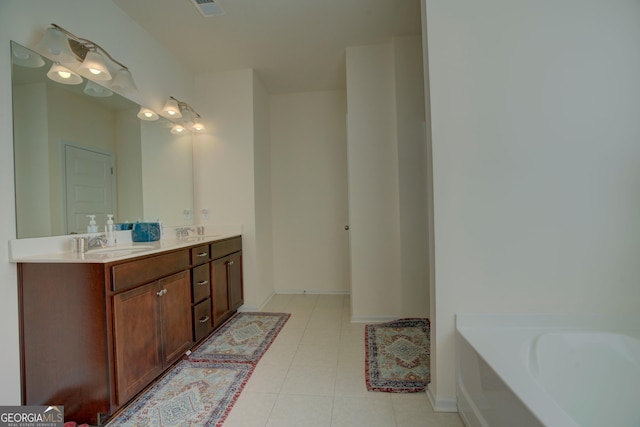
<point x="548" y="370"/>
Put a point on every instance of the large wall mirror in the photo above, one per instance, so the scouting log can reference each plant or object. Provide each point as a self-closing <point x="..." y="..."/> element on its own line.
<point x="81" y="150"/>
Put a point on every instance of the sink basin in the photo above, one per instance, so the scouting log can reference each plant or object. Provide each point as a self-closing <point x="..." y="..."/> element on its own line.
<point x="121" y="250"/>
<point x="200" y="238"/>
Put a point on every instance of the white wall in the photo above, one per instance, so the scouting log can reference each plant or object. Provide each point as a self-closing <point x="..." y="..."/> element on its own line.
<point x="409" y="103"/>
<point x="262" y="167"/>
<point x="534" y="109"/>
<point x="309" y="187"/>
<point x="373" y="183"/>
<point x="24" y="21"/>
<point x="224" y="164"/>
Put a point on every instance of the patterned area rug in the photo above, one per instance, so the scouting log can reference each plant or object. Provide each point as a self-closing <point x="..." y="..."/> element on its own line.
<point x="201" y="390"/>
<point x="191" y="394"/>
<point x="397" y="356"/>
<point x="244" y="338"/>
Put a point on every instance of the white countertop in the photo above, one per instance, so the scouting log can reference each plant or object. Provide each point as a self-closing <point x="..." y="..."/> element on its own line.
<point x="58" y="249"/>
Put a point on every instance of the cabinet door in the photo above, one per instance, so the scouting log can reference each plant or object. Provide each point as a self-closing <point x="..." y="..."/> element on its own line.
<point x="219" y="291"/>
<point x="236" y="298"/>
<point x="176" y="316"/>
<point x="137" y="340"/>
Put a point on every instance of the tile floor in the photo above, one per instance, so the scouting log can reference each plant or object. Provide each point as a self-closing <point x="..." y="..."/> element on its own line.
<point x="313" y="375"/>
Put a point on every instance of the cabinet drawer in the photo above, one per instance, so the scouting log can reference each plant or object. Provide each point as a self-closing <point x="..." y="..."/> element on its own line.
<point x="146" y="270"/>
<point x="200" y="254"/>
<point x="226" y="247"/>
<point x="202" y="320"/>
<point x="200" y="283"/>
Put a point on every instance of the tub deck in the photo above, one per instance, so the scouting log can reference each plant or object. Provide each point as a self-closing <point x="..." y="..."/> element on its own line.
<point x="497" y="380"/>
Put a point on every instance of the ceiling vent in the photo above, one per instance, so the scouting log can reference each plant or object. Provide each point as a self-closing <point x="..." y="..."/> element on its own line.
<point x="208" y="7"/>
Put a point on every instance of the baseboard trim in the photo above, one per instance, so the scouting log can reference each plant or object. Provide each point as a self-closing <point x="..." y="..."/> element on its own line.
<point x="441" y="405"/>
<point x="373" y="319"/>
<point x="310" y="292"/>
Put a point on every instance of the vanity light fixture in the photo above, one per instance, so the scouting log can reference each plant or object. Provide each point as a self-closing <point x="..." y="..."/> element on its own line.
<point x="171" y="109"/>
<point x="147" y="114"/>
<point x="61" y="74"/>
<point x="93" y="67"/>
<point x="55" y="45"/>
<point x="174" y="109"/>
<point x="67" y="48"/>
<point x="123" y="81"/>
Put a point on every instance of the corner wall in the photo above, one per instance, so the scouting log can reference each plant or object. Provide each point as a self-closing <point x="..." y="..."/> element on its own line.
<point x="534" y="109"/>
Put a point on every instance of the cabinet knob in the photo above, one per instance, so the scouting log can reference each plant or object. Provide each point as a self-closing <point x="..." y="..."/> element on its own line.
<point x="230" y="262"/>
<point x="346" y="227"/>
<point x="161" y="292"/>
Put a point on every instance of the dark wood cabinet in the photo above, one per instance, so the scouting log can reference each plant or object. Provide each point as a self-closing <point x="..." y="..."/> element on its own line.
<point x="226" y="286"/>
<point x="138" y="341"/>
<point x="220" y="290"/>
<point x="236" y="294"/>
<point x="93" y="335"/>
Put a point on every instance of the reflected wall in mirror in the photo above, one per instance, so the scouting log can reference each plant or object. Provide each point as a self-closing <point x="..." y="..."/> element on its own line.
<point x="77" y="155"/>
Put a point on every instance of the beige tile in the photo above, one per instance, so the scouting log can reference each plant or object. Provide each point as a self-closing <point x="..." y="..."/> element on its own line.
<point x="321" y="337"/>
<point x="301" y="411"/>
<point x="267" y="378"/>
<point x="302" y="301"/>
<point x="417" y="412"/>
<point x="310" y="380"/>
<point x="362" y="411"/>
<point x="251" y="410"/>
<point x="330" y="301"/>
<point x="316" y="355"/>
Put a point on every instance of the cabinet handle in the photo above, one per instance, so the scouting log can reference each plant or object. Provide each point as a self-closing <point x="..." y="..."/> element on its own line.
<point x="204" y="319"/>
<point x="202" y="254"/>
<point x="203" y="282"/>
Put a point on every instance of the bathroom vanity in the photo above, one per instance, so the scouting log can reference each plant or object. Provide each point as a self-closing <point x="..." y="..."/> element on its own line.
<point x="98" y="328"/>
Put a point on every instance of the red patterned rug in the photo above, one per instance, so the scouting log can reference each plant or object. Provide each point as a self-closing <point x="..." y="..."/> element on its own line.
<point x="202" y="389"/>
<point x="397" y="356"/>
<point x="243" y="339"/>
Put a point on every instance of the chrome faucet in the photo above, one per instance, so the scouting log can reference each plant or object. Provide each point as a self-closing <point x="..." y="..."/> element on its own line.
<point x="97" y="241"/>
<point x="183" y="232"/>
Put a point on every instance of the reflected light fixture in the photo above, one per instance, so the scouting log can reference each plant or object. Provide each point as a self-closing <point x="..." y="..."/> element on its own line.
<point x="147" y="114"/>
<point x="94" y="89"/>
<point x="61" y="74"/>
<point x="178" y="130"/>
<point x="67" y="48"/>
<point x="25" y="57"/>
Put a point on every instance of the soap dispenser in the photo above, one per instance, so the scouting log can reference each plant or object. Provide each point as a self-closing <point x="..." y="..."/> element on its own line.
<point x="110" y="231"/>
<point x="92" y="227"/>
